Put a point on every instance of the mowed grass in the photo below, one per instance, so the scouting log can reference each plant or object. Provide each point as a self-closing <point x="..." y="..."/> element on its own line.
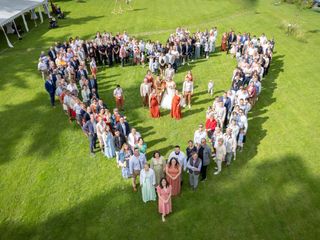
<point x="51" y="188"/>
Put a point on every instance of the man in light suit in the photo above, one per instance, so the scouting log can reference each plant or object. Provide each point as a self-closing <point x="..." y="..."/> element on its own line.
<point x="145" y="90"/>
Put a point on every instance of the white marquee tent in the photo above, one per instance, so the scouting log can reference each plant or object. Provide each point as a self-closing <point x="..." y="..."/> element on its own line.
<point x="12" y="9"/>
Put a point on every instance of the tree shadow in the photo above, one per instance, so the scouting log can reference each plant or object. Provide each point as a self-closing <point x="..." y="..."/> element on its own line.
<point x="256" y="132"/>
<point x="26" y="116"/>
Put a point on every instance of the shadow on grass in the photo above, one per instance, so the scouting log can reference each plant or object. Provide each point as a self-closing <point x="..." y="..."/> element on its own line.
<point x="44" y="120"/>
<point x="272" y="194"/>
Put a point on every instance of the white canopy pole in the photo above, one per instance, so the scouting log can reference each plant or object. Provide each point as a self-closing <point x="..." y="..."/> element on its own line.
<point x="8" y="41"/>
<point x="46" y="8"/>
<point x="40" y="14"/>
<point x="25" y="22"/>
<point x="15" y="26"/>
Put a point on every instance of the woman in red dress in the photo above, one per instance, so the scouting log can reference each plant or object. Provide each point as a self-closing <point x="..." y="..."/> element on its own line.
<point x="224" y="42"/>
<point x="173" y="172"/>
<point x="175" y="106"/>
<point x="154" y="105"/>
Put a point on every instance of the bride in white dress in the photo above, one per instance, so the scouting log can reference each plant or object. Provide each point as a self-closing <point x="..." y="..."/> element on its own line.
<point x="168" y="94"/>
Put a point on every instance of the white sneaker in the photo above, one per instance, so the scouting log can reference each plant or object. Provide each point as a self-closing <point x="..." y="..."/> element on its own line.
<point x="216" y="173"/>
<point x="216" y="168"/>
<point x="189" y="106"/>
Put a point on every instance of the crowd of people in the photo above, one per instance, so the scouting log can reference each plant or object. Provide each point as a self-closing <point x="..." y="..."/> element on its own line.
<point x="65" y="70"/>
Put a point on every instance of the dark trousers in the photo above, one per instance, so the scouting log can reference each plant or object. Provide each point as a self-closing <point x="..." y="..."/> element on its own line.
<point x="203" y="172"/>
<point x="92" y="141"/>
<point x="52" y="98"/>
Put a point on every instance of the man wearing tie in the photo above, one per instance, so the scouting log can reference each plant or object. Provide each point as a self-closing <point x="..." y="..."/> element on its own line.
<point x="51" y="88"/>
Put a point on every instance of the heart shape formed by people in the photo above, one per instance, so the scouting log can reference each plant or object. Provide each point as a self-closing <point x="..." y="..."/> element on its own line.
<point x="183" y="50"/>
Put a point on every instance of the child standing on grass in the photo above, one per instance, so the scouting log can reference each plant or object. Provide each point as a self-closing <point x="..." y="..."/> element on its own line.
<point x="210" y="87"/>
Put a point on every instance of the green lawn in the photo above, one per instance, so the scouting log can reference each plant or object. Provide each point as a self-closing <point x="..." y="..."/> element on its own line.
<point x="51" y="188"/>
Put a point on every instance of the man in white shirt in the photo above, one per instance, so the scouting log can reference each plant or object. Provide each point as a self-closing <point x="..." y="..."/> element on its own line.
<point x="221" y="114"/>
<point x="101" y="127"/>
<point x="145" y="90"/>
<point x="199" y="135"/>
<point x="118" y="95"/>
<point x="43" y="68"/>
<point x="136" y="164"/>
<point x="187" y="90"/>
<point x="133" y="138"/>
<point x="243" y="121"/>
<point x="169" y="72"/>
<point x="180" y="156"/>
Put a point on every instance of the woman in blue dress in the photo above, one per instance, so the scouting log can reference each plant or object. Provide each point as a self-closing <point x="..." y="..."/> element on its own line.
<point x="124" y="157"/>
<point x="107" y="137"/>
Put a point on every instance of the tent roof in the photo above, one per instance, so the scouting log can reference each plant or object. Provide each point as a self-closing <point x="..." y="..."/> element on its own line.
<point x="11" y="9"/>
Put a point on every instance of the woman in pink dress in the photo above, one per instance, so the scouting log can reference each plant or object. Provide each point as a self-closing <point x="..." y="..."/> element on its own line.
<point x="164" y="194"/>
<point x="173" y="172"/>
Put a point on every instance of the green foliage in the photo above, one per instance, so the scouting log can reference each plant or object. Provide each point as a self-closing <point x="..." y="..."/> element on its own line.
<point x="300" y="3"/>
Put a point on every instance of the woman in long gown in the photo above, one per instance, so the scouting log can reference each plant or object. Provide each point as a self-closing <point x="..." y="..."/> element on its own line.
<point x="124" y="157"/>
<point x="164" y="194"/>
<point x="107" y="137"/>
<point x="154" y="105"/>
<point x="158" y="164"/>
<point x="168" y="94"/>
<point x="224" y="42"/>
<point x="173" y="172"/>
<point x="148" y="182"/>
<point x="176" y="106"/>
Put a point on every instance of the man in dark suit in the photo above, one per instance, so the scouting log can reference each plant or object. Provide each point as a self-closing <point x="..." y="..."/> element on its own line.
<point x="52" y="54"/>
<point x="51" y="88"/>
<point x="231" y="39"/>
<point x="227" y="104"/>
<point x="118" y="140"/>
<point x="101" y="105"/>
<point x="93" y="83"/>
<point x="123" y="127"/>
<point x="82" y="72"/>
<point x="227" y="101"/>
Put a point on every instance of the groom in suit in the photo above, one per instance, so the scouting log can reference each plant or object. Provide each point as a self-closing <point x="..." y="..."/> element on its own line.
<point x="51" y="88"/>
